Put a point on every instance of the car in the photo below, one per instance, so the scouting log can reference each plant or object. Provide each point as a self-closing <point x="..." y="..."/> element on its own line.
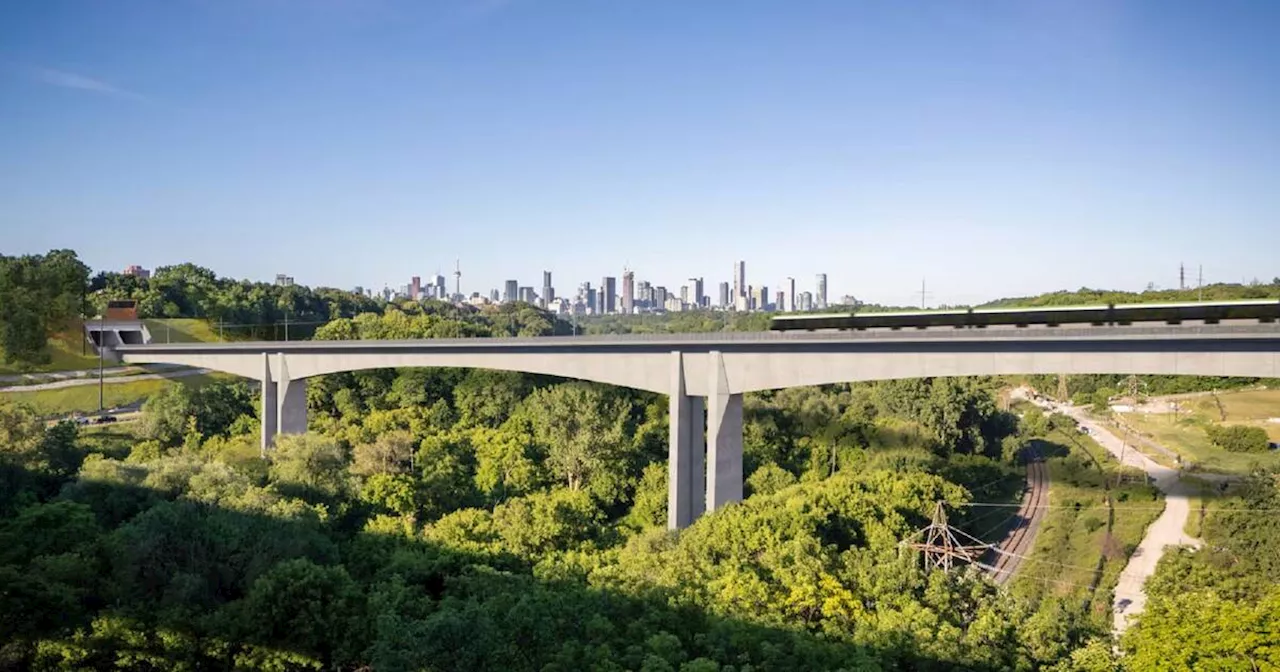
<point x="104" y="419"/>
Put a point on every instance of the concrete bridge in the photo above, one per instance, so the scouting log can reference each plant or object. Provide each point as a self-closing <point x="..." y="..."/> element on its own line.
<point x="710" y="372"/>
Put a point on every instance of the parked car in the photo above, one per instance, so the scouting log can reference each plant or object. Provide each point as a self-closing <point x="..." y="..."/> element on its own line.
<point x="104" y="419"/>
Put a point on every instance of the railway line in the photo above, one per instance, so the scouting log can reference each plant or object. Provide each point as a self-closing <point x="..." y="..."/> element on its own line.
<point x="1017" y="545"/>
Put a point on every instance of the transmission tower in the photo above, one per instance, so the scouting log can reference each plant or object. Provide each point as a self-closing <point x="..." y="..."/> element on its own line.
<point x="942" y="547"/>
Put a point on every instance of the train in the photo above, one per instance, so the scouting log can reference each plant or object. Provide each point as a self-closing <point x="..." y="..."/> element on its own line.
<point x="1261" y="310"/>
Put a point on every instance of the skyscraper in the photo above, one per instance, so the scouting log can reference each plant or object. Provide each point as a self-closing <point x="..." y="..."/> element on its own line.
<point x="791" y="295"/>
<point x="415" y="288"/>
<point x="510" y="291"/>
<point x="781" y="300"/>
<point x="442" y="290"/>
<point x="548" y="292"/>
<point x="822" y="291"/>
<point x="697" y="299"/>
<point x="526" y="295"/>
<point x="628" y="291"/>
<point x="608" y="294"/>
<point x="660" y="298"/>
<point x="724" y="295"/>
<point x="739" y="279"/>
<point x="762" y="298"/>
<point x="684" y="293"/>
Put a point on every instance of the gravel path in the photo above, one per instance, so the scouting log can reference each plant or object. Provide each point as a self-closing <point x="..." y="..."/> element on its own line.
<point x="74" y="382"/>
<point x="1167" y="530"/>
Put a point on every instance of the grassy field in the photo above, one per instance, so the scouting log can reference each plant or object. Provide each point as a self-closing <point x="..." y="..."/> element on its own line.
<point x="1186" y="436"/>
<point x="1098" y="514"/>
<point x="66" y="349"/>
<point x="84" y="398"/>
<point x="182" y="331"/>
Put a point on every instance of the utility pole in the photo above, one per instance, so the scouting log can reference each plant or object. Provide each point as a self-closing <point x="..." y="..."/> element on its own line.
<point x="1182" y="276"/>
<point x="102" y="344"/>
<point x="1200" y="283"/>
<point x="923" y="294"/>
<point x="286" y="325"/>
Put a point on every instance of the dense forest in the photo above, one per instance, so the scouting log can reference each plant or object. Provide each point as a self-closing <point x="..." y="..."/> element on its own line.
<point x="448" y="519"/>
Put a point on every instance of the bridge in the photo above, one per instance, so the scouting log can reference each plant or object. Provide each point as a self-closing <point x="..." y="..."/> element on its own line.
<point x="710" y="372"/>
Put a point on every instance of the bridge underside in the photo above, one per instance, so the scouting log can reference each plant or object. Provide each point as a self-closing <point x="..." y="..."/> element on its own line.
<point x="705" y="382"/>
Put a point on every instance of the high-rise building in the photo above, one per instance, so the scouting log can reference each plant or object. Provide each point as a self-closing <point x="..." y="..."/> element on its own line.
<point x="527" y="295"/>
<point x="780" y="300"/>
<point x="791" y="295"/>
<point x="739" y="279"/>
<point x="510" y="291"/>
<point x="762" y="298"/>
<point x="628" y="292"/>
<point x="644" y="295"/>
<point x="724" y="296"/>
<point x="139" y="272"/>
<point x="660" y="298"/>
<point x="806" y="301"/>
<point x="697" y="292"/>
<point x="822" y="291"/>
<point x="493" y="295"/>
<point x="674" y="304"/>
<point x="548" y="292"/>
<point x="608" y="294"/>
<point x="684" y="294"/>
<point x="442" y="290"/>
<point x="283" y="280"/>
<point x="593" y="300"/>
<point x="415" y="288"/>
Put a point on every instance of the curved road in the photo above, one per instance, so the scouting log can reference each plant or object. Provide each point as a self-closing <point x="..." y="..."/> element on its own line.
<point x="76" y="382"/>
<point x="1167" y="530"/>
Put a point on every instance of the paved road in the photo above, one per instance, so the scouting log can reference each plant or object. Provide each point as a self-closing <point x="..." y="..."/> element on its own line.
<point x="1167" y="530"/>
<point x="26" y="379"/>
<point x="74" y="382"/>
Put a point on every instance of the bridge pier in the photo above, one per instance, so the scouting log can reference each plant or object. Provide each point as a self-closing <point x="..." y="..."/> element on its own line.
<point x="686" y="452"/>
<point x="284" y="402"/>
<point x="724" y="439"/>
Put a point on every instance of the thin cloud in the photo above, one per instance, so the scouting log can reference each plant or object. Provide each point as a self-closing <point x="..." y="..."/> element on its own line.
<point x="71" y="80"/>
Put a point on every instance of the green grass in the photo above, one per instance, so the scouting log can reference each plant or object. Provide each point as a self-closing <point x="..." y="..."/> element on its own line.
<point x="65" y="349"/>
<point x="182" y="331"/>
<point x="1079" y="537"/>
<point x="84" y="398"/>
<point x="1186" y="437"/>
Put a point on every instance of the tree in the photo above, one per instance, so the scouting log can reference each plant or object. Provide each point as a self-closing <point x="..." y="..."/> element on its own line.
<point x="390" y="453"/>
<point x="1239" y="438"/>
<point x="309" y="463"/>
<point x="583" y="432"/>
<point x="164" y="416"/>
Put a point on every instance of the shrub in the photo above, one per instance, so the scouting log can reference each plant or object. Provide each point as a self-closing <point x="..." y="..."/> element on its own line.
<point x="1238" y="438"/>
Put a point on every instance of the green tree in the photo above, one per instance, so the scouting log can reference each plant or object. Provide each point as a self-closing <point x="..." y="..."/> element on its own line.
<point x="583" y="432"/>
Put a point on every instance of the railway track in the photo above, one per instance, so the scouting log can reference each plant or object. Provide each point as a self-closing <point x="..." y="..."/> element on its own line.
<point x="1018" y="543"/>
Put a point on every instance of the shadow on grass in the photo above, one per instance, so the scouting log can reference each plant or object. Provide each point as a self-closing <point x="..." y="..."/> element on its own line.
<point x="105" y="576"/>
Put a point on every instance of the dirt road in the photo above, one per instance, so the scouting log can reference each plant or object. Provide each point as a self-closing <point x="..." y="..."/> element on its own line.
<point x="1167" y="530"/>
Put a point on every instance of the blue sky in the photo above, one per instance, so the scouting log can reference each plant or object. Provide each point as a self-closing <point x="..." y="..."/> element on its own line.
<point x="996" y="148"/>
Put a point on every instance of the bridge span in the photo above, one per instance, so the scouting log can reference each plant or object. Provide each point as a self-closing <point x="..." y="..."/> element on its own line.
<point x="706" y="374"/>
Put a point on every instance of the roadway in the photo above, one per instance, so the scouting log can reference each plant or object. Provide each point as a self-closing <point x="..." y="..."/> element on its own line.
<point x="1168" y="530"/>
<point x="730" y="340"/>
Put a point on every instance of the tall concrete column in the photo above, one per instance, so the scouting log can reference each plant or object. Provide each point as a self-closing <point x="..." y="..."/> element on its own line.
<point x="291" y="397"/>
<point x="269" y="405"/>
<point x="724" y="438"/>
<point x="686" y="446"/>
